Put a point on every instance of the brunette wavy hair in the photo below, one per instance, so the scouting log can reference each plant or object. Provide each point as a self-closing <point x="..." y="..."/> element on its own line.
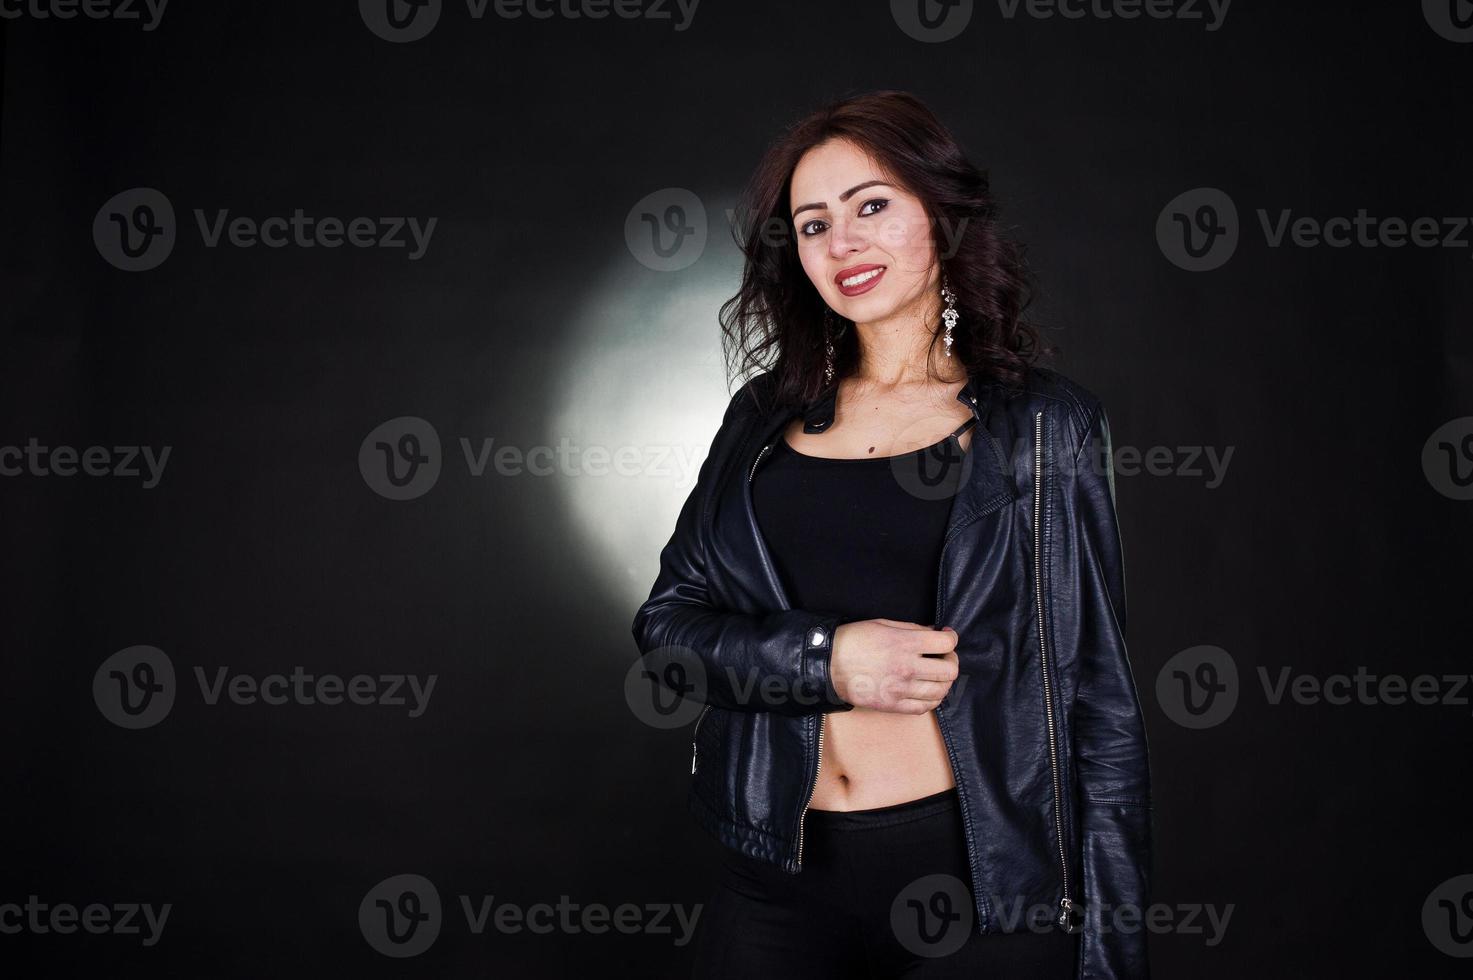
<point x="776" y="321"/>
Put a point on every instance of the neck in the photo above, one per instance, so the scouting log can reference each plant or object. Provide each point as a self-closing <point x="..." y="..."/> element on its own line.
<point x="896" y="350"/>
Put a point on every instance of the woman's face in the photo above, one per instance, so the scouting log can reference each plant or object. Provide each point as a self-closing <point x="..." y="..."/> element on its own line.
<point x="865" y="243"/>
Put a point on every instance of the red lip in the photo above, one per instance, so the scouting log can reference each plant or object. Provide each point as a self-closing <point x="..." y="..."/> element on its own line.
<point x="863" y="287"/>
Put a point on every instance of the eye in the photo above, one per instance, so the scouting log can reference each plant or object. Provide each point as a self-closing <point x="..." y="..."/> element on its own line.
<point x="816" y="227"/>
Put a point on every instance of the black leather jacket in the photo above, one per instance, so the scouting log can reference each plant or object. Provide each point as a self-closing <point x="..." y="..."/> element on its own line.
<point x="1042" y="725"/>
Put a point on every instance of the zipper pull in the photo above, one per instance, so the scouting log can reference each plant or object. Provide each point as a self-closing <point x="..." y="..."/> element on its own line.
<point x="692" y="758"/>
<point x="1066" y="916"/>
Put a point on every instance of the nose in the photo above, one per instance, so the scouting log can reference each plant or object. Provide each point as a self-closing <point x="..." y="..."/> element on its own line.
<point x="845" y="239"/>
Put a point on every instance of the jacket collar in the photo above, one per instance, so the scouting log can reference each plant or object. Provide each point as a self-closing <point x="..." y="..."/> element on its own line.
<point x="818" y="414"/>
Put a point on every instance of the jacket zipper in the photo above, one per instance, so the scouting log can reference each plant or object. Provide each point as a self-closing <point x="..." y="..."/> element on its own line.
<point x="1066" y="904"/>
<point x="777" y="587"/>
<point x="753" y="471"/>
<point x="813" y="786"/>
<point x="693" y="736"/>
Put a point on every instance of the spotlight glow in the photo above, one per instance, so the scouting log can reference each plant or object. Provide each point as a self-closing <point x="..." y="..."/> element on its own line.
<point x="651" y="389"/>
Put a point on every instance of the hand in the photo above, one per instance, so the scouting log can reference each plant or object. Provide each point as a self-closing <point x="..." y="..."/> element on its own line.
<point x="892" y="666"/>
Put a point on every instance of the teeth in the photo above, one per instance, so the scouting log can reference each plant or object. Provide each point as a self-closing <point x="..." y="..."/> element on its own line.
<point x="863" y="277"/>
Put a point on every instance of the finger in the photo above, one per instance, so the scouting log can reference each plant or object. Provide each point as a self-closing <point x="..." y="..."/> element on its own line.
<point x="899" y="625"/>
<point x="937" y="667"/>
<point x="926" y="690"/>
<point x="935" y="641"/>
<point x="915" y="706"/>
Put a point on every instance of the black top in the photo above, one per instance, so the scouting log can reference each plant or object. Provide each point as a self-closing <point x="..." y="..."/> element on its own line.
<point x="859" y="538"/>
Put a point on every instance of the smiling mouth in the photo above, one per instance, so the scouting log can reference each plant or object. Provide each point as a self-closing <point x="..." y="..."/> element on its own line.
<point x="861" y="281"/>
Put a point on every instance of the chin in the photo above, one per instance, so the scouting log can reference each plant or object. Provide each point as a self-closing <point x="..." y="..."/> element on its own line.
<point x="864" y="309"/>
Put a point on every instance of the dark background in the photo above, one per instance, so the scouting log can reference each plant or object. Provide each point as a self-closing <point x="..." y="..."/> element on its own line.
<point x="1326" y="548"/>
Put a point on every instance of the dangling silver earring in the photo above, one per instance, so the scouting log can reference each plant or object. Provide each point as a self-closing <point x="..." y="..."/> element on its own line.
<point x="828" y="347"/>
<point x="949" y="315"/>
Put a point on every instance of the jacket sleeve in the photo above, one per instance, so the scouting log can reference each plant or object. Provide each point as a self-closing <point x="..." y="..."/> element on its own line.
<point x="1114" y="802"/>
<point x="773" y="661"/>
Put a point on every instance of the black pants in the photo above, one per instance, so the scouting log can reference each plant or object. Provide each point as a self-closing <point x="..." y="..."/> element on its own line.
<point x="883" y="893"/>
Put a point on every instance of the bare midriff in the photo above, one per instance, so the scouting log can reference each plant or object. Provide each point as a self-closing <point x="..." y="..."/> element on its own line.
<point x="877" y="758"/>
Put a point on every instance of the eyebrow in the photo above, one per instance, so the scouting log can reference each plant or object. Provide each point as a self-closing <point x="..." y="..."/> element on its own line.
<point x="842" y="197"/>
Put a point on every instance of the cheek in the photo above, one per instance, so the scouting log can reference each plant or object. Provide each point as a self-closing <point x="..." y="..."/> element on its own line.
<point x="813" y="260"/>
<point x="906" y="235"/>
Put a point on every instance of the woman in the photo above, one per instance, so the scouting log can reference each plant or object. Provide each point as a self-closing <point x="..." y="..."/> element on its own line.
<point x="898" y="589"/>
